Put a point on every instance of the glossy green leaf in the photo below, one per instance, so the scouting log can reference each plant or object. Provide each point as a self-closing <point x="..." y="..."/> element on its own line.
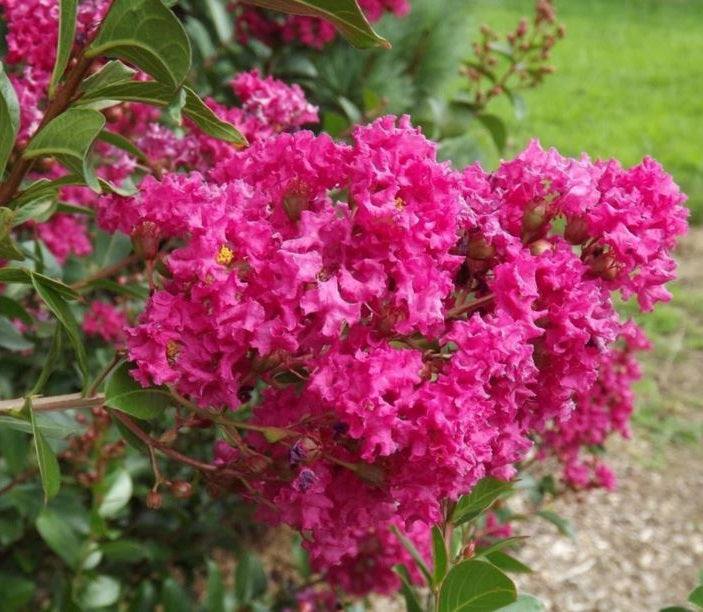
<point x="8" y="249"/>
<point x="524" y="603"/>
<point x="58" y="306"/>
<point x="500" y="545"/>
<point x="98" y="592"/>
<point x="158" y="94"/>
<point x="118" y="492"/>
<point x="119" y="141"/>
<point x="481" y="497"/>
<point x="496" y="128"/>
<point x="439" y="555"/>
<point x="39" y="210"/>
<point x="11" y="338"/>
<point x="345" y="15"/>
<point x="696" y="597"/>
<point x="417" y="557"/>
<point x="68" y="138"/>
<point x="113" y="72"/>
<point x="215" y="591"/>
<point x="412" y="600"/>
<point x="249" y="579"/>
<point x="561" y="523"/>
<point x="147" y="34"/>
<point x="507" y="563"/>
<point x="46" y="459"/>
<point x="123" y="393"/>
<point x="174" y="597"/>
<point x="9" y="118"/>
<point x="475" y="586"/>
<point x="67" y="31"/>
<point x="201" y="114"/>
<point x="126" y="551"/>
<point x="17" y="591"/>
<point x="61" y="288"/>
<point x="57" y="532"/>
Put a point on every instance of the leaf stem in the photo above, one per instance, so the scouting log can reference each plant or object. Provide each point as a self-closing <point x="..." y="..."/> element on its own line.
<point x="54" y="403"/>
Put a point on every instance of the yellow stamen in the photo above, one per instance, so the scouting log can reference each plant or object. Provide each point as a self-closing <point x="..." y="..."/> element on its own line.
<point x="224" y="256"/>
<point x="399" y="203"/>
<point x="173" y="350"/>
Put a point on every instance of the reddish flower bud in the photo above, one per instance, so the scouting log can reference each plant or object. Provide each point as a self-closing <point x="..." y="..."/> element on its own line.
<point x="538" y="247"/>
<point x="145" y="240"/>
<point x="181" y="489"/>
<point x="480" y="249"/>
<point x="296" y="199"/>
<point x="535" y="218"/>
<point x="154" y="500"/>
<point x="576" y="231"/>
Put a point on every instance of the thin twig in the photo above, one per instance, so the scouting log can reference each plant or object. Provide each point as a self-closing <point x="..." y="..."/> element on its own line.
<point x="54" y="403"/>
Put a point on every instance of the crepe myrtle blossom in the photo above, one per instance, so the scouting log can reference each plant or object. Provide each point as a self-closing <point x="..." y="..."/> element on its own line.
<point x="410" y="328"/>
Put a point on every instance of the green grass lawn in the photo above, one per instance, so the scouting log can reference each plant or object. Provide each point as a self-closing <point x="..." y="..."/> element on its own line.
<point x="629" y="83"/>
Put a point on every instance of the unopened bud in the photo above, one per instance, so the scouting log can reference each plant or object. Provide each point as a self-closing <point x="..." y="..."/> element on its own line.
<point x="145" y="240"/>
<point x="181" y="489"/>
<point x="469" y="550"/>
<point x="535" y="217"/>
<point x="576" y="231"/>
<point x="296" y="199"/>
<point x="305" y="450"/>
<point x="604" y="266"/>
<point x="479" y="249"/>
<point x="154" y="499"/>
<point x="539" y="247"/>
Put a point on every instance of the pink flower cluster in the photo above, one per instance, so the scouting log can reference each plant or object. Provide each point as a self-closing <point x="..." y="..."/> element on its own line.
<point x="308" y="31"/>
<point x="105" y="321"/>
<point x="409" y="329"/>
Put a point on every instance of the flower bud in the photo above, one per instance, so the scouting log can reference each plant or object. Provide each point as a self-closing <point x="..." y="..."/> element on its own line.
<point x="480" y="249"/>
<point x="534" y="218"/>
<point x="181" y="489"/>
<point x="469" y="550"/>
<point x="154" y="499"/>
<point x="305" y="450"/>
<point x="605" y="266"/>
<point x="541" y="246"/>
<point x="296" y="199"/>
<point x="145" y="240"/>
<point x="576" y="231"/>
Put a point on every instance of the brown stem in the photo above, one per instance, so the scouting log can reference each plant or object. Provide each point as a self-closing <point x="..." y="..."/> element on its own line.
<point x="19" y="480"/>
<point x="457" y="311"/>
<point x="61" y="102"/>
<point x="103" y="375"/>
<point x="54" y="403"/>
<point x="106" y="272"/>
<point x="166" y="450"/>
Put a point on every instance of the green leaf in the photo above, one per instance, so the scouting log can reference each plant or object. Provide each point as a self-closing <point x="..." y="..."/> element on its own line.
<point x="475" y="586"/>
<point x="507" y="563"/>
<point x="39" y="210"/>
<point x="125" y="394"/>
<point x="57" y="304"/>
<point x="345" y="15"/>
<point x="118" y="492"/>
<point x="481" y="497"/>
<point x="55" y="285"/>
<point x="14" y="310"/>
<point x="220" y="18"/>
<point x="14" y="448"/>
<point x="439" y="556"/>
<point x="48" y="464"/>
<point x="201" y="114"/>
<point x="412" y="601"/>
<point x="98" y="592"/>
<point x="215" y="592"/>
<point x="417" y="557"/>
<point x="249" y="579"/>
<point x="500" y="545"/>
<point x="524" y="603"/>
<point x="57" y="532"/>
<point x="126" y="551"/>
<point x="147" y="34"/>
<point x="16" y="591"/>
<point x="44" y="188"/>
<point x="8" y="249"/>
<point x="9" y="118"/>
<point x="174" y="597"/>
<point x="562" y="524"/>
<point x="696" y="597"/>
<point x="134" y="291"/>
<point x="119" y="141"/>
<point x="68" y="138"/>
<point x="11" y="338"/>
<point x="49" y="424"/>
<point x="67" y="31"/>
<point x="158" y="94"/>
<point x="112" y="73"/>
<point x="49" y="362"/>
<point x="496" y="129"/>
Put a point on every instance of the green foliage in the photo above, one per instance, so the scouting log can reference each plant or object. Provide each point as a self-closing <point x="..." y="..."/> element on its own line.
<point x="67" y="31"/>
<point x="475" y="585"/>
<point x="9" y="118"/>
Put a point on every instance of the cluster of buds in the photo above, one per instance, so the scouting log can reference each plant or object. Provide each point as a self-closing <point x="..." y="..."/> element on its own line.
<point x="514" y="61"/>
<point x="88" y="454"/>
